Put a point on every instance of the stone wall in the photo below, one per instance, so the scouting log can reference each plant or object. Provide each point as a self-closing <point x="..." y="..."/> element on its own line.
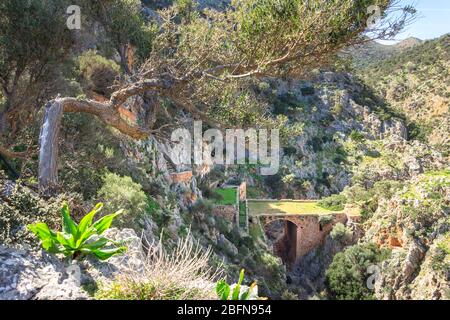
<point x="181" y="177"/>
<point x="242" y="189"/>
<point x="355" y="219"/>
<point x="310" y="234"/>
<point x="228" y="212"/>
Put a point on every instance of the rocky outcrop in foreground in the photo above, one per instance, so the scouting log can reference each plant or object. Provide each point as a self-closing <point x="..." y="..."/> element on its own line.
<point x="36" y="275"/>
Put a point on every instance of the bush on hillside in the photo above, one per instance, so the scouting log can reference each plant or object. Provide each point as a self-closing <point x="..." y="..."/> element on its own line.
<point x="20" y="206"/>
<point x="419" y="131"/>
<point x="276" y="185"/>
<point x="202" y="206"/>
<point x="347" y="275"/>
<point x="357" y="136"/>
<point x="341" y="233"/>
<point x="121" y="192"/>
<point x="368" y="199"/>
<point x="97" y="73"/>
<point x="325" y="219"/>
<point x="273" y="274"/>
<point x="335" y="202"/>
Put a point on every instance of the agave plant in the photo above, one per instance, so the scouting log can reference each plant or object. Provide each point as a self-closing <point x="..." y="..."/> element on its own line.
<point x="237" y="290"/>
<point x="78" y="240"/>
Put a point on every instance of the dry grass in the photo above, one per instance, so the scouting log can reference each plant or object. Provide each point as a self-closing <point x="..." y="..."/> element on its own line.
<point x="184" y="273"/>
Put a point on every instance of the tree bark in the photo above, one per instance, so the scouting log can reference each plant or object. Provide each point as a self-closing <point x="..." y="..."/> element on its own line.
<point x="11" y="154"/>
<point x="3" y="122"/>
<point x="49" y="135"/>
<point x="48" y="147"/>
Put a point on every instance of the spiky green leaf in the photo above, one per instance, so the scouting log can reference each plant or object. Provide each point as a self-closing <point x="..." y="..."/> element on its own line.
<point x="222" y="290"/>
<point x="69" y="226"/>
<point x="237" y="288"/>
<point x="87" y="219"/>
<point x="47" y="237"/>
<point x="104" y="254"/>
<point x="104" y="223"/>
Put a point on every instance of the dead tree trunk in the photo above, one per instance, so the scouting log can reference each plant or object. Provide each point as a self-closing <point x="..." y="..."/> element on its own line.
<point x="2" y="122"/>
<point x="48" y="147"/>
<point x="107" y="112"/>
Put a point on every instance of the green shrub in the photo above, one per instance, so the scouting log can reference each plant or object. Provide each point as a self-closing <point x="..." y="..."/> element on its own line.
<point x="242" y="214"/>
<point x="2" y="102"/>
<point x="335" y="202"/>
<point x="77" y="240"/>
<point x="341" y="233"/>
<point x="357" y="136"/>
<point x="273" y="272"/>
<point x="255" y="193"/>
<point x="22" y="207"/>
<point x="185" y="8"/>
<point x="367" y="199"/>
<point x="202" y="206"/>
<point x="316" y="143"/>
<point x="97" y="73"/>
<point x="438" y="260"/>
<point x="288" y="179"/>
<point x="136" y="290"/>
<point x="347" y="275"/>
<point x="123" y="193"/>
<point x="256" y="231"/>
<point x="276" y="185"/>
<point x="289" y="295"/>
<point x="289" y="151"/>
<point x="161" y="216"/>
<point x="284" y="103"/>
<point x="418" y="131"/>
<point x="209" y="193"/>
<point x="441" y="255"/>
<point x="152" y="206"/>
<point x="325" y="219"/>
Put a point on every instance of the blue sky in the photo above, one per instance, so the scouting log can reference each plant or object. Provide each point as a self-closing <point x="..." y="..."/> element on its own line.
<point x="433" y="20"/>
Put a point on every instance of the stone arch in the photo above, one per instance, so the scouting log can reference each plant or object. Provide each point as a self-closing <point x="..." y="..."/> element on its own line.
<point x="302" y="233"/>
<point x="285" y="242"/>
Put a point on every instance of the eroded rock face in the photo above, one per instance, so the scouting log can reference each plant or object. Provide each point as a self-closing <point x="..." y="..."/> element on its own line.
<point x="412" y="270"/>
<point x="409" y="274"/>
<point x="26" y="275"/>
<point x="431" y="284"/>
<point x="94" y="270"/>
<point x="309" y="274"/>
<point x="227" y="246"/>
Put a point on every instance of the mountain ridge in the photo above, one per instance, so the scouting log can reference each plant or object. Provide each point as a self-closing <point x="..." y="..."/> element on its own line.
<point x="374" y="52"/>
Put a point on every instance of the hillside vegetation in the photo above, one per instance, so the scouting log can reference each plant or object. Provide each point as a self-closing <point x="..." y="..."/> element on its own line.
<point x="416" y="82"/>
<point x="372" y="53"/>
<point x="86" y="123"/>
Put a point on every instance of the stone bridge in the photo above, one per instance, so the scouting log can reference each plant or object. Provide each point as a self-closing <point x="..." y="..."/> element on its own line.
<point x="304" y="224"/>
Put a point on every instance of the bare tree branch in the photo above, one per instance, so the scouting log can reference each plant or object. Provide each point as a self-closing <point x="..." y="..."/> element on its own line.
<point x="11" y="154"/>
